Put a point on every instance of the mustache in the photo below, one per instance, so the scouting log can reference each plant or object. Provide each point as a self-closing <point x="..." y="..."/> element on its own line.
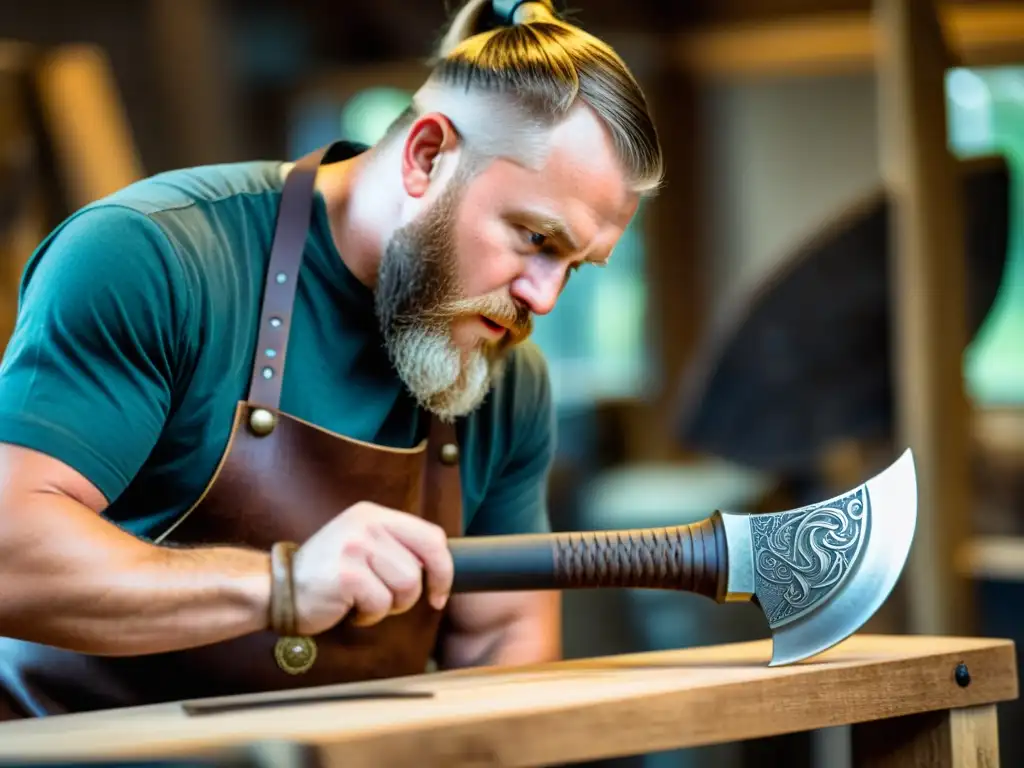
<point x="502" y="309"/>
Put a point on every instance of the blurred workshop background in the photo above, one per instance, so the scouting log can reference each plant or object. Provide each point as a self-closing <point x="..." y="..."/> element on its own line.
<point x="833" y="272"/>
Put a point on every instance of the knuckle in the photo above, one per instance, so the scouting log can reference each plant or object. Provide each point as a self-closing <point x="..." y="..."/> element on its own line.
<point x="406" y="583"/>
<point x="355" y="547"/>
<point x="351" y="580"/>
<point x="361" y="510"/>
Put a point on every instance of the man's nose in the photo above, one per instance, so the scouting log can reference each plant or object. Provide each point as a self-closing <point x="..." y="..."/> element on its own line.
<point x="539" y="290"/>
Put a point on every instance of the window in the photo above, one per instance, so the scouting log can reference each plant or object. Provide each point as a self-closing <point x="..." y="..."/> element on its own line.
<point x="986" y="115"/>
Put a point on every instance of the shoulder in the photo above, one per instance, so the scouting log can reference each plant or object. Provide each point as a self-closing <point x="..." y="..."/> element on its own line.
<point x="106" y="251"/>
<point x="198" y="212"/>
<point x="186" y="188"/>
<point x="103" y="244"/>
<point x="170" y="230"/>
<point x="155" y="212"/>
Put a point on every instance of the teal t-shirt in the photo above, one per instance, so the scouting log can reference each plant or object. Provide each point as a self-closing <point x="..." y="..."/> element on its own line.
<point x="135" y="338"/>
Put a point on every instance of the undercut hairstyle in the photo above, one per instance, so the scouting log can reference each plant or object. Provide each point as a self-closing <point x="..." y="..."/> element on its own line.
<point x="504" y="89"/>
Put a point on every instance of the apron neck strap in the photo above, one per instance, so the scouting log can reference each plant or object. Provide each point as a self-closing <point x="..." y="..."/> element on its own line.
<point x="282" y="279"/>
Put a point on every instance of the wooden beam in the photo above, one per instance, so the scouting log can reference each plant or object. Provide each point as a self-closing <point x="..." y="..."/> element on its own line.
<point x="984" y="34"/>
<point x="675" y="274"/>
<point x="86" y="123"/>
<point x="957" y="738"/>
<point x="994" y="558"/>
<point x="932" y="415"/>
<point x="191" y="50"/>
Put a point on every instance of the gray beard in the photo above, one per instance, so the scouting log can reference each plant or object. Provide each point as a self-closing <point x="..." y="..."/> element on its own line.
<point x="415" y="284"/>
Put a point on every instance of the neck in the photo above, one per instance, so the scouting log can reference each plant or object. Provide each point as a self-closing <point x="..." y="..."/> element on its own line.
<point x="359" y="208"/>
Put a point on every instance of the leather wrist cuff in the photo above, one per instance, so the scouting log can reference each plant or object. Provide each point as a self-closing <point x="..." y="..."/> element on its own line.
<point x="283" y="620"/>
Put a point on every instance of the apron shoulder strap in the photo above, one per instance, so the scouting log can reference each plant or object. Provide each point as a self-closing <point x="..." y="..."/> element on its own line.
<point x="286" y="254"/>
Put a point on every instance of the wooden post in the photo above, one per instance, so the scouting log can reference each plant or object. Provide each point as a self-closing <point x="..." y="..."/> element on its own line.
<point x="957" y="738"/>
<point x="191" y="45"/>
<point x="676" y="271"/>
<point x="86" y="124"/>
<point x="927" y="304"/>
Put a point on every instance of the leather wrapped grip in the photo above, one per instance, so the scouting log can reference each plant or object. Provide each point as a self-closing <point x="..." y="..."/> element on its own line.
<point x="690" y="558"/>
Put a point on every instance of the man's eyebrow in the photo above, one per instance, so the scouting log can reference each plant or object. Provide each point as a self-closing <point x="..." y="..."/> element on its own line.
<point x="550" y="225"/>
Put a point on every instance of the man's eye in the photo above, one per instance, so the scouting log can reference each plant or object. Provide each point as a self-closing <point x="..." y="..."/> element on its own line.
<point x="537" y="239"/>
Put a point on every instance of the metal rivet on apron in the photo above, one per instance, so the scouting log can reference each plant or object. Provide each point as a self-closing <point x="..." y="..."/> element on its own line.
<point x="270" y="352"/>
<point x="268" y="372"/>
<point x="449" y="453"/>
<point x="281" y="278"/>
<point x="262" y="422"/>
<point x="275" y="322"/>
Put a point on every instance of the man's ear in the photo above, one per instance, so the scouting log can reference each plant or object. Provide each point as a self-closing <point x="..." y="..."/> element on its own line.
<point x="428" y="139"/>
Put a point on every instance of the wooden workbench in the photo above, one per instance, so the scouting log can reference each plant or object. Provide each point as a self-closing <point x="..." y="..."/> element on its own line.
<point x="903" y="690"/>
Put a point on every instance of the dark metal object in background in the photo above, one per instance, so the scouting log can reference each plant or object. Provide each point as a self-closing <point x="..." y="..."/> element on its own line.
<point x="804" y="361"/>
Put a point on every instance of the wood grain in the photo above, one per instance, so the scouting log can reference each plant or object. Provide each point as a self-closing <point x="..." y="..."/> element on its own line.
<point x="559" y="713"/>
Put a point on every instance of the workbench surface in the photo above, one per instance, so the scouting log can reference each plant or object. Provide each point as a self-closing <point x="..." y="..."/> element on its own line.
<point x="562" y="712"/>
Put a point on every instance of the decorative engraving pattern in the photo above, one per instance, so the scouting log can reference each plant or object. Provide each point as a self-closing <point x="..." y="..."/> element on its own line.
<point x="802" y="557"/>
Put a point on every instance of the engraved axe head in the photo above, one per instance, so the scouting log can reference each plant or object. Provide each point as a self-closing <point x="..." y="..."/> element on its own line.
<point x="821" y="571"/>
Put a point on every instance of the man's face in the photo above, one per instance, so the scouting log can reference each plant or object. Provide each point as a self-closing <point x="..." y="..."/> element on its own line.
<point x="458" y="285"/>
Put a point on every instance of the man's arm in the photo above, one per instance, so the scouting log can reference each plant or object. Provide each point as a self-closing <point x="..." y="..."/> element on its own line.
<point x="513" y="628"/>
<point x="86" y="385"/>
<point x="72" y="580"/>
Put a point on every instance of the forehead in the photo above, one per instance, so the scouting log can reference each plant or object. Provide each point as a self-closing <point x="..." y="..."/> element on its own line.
<point x="580" y="181"/>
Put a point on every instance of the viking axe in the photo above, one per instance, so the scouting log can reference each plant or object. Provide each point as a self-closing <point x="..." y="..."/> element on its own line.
<point x="818" y="572"/>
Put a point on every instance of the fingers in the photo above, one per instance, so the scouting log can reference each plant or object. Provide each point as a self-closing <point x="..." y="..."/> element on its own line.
<point x="372" y="600"/>
<point x="399" y="570"/>
<point x="384" y="553"/>
<point x="429" y="544"/>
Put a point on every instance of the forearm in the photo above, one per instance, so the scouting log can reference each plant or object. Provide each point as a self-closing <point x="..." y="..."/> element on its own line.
<point x="502" y="630"/>
<point x="72" y="580"/>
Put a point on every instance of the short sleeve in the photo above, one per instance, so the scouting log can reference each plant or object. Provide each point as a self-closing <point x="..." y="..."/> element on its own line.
<point x="89" y="373"/>
<point x="516" y="499"/>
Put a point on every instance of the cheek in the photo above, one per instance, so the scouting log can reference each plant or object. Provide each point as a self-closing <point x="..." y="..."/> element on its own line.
<point x="486" y="261"/>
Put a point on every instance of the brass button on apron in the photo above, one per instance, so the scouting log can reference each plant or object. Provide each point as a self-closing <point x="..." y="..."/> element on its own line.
<point x="262" y="422"/>
<point x="295" y="655"/>
<point x="449" y="454"/>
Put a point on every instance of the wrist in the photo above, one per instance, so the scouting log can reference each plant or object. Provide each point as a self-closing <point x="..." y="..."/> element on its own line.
<point x="254" y="591"/>
<point x="293" y="652"/>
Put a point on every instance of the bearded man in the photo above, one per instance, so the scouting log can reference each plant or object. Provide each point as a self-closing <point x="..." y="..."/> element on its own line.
<point x="182" y="516"/>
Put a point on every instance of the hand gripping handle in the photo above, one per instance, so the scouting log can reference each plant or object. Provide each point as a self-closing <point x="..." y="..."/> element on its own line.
<point x="689" y="558"/>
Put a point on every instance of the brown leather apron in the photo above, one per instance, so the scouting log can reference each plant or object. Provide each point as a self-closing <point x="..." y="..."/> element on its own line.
<point x="279" y="479"/>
